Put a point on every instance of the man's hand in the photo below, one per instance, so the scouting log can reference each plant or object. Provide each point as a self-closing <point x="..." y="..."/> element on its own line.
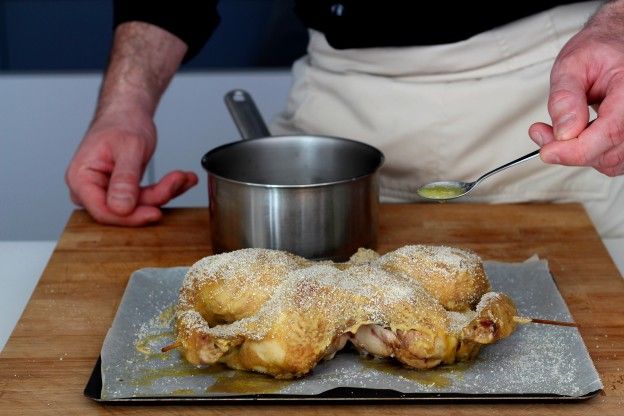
<point x="105" y="174"/>
<point x="589" y="70"/>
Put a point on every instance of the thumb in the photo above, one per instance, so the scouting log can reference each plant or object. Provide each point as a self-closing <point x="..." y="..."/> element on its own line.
<point x="123" y="190"/>
<point x="567" y="104"/>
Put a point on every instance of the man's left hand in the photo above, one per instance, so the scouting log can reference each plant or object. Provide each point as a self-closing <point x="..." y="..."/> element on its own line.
<point x="589" y="70"/>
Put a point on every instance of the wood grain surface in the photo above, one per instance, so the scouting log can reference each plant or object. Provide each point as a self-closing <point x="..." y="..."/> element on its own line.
<point x="49" y="357"/>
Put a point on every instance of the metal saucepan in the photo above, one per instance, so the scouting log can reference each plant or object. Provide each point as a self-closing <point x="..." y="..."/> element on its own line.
<point x="315" y="196"/>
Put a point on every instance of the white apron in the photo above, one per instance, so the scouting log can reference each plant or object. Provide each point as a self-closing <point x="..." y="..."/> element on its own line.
<point x="453" y="111"/>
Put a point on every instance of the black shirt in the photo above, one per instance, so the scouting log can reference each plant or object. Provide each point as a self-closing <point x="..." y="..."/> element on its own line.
<point x="347" y="23"/>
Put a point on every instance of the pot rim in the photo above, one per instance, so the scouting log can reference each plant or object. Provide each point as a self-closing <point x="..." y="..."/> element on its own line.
<point x="310" y="185"/>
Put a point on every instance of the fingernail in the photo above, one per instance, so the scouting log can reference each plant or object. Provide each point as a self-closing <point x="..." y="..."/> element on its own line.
<point x="537" y="138"/>
<point x="563" y="125"/>
<point x="122" y="203"/>
<point x="550" y="158"/>
<point x="153" y="217"/>
<point x="122" y="199"/>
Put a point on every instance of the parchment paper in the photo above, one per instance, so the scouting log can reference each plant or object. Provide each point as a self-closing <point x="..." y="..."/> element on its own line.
<point x="536" y="359"/>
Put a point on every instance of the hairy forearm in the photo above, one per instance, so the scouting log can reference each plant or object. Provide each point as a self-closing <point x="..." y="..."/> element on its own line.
<point x="609" y="16"/>
<point x="143" y="60"/>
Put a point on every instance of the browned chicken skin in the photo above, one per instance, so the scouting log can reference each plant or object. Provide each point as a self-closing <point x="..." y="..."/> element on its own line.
<point x="275" y="313"/>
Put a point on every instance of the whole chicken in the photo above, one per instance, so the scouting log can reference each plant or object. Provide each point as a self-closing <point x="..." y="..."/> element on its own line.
<point x="276" y="313"/>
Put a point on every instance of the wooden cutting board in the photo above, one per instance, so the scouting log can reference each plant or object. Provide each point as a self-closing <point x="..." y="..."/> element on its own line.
<point x="50" y="355"/>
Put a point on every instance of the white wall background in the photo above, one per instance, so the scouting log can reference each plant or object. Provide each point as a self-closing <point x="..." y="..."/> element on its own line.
<point x="43" y="118"/>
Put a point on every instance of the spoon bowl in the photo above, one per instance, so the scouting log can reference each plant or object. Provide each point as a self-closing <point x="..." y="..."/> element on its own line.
<point x="445" y="190"/>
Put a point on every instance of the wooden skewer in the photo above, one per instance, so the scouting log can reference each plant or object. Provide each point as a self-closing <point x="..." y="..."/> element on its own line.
<point x="171" y="347"/>
<point x="526" y="320"/>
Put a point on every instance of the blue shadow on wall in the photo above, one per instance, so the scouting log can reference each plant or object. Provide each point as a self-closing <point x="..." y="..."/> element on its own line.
<point x="75" y="35"/>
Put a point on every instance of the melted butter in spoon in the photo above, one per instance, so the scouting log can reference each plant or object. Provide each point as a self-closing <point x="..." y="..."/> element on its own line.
<point x="439" y="191"/>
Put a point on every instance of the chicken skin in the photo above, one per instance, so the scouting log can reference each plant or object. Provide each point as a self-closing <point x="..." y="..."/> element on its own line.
<point x="275" y="313"/>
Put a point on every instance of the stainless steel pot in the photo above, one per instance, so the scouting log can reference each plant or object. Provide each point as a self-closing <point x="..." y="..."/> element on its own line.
<point x="315" y="196"/>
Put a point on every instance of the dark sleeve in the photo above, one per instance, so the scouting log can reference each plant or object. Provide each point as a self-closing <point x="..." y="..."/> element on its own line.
<point x="191" y="21"/>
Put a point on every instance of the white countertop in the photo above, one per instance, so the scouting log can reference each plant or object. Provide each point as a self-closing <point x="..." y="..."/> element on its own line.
<point x="615" y="246"/>
<point x="21" y="265"/>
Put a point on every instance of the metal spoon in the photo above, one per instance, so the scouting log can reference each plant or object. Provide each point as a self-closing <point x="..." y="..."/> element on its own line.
<point x="444" y="190"/>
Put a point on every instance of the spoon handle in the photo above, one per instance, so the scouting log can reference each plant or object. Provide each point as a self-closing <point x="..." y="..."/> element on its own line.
<point x="508" y="165"/>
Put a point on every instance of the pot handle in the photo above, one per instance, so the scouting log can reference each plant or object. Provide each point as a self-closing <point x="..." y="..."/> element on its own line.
<point x="246" y="115"/>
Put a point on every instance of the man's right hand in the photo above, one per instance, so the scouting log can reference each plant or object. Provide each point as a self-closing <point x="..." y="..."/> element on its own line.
<point x="105" y="174"/>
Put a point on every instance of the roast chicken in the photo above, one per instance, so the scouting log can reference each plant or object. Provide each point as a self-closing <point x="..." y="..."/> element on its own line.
<point x="275" y="313"/>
